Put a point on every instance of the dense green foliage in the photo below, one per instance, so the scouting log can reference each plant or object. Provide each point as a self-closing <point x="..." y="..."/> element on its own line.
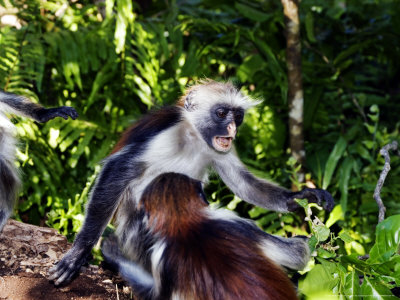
<point x="116" y="59"/>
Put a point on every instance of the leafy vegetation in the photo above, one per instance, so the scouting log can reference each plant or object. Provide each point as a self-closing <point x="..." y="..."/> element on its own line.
<point x="115" y="59"/>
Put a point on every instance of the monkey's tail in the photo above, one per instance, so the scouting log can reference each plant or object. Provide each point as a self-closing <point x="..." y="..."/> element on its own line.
<point x="138" y="278"/>
<point x="9" y="185"/>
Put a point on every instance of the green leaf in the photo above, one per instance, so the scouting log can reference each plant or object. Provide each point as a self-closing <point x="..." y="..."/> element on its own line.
<point x="387" y="240"/>
<point x="372" y="289"/>
<point x="302" y="202"/>
<point x="321" y="232"/>
<point x="371" y="128"/>
<point x="355" y="48"/>
<point x="333" y="159"/>
<point x="252" y="13"/>
<point x="351" y="285"/>
<point x="312" y="243"/>
<point x="256" y="211"/>
<point x="325" y="253"/>
<point x="125" y="17"/>
<point x="309" y="23"/>
<point x="319" y="281"/>
<point x="83" y="143"/>
<point x="344" y="177"/>
<point x="249" y="67"/>
<point x="352" y="260"/>
<point x="273" y="64"/>
<point x="335" y="215"/>
<point x="102" y="77"/>
<point x="345" y="237"/>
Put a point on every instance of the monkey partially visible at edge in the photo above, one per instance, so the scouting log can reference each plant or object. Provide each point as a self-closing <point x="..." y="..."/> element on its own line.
<point x="9" y="176"/>
<point x="190" y="137"/>
<point x="198" y="252"/>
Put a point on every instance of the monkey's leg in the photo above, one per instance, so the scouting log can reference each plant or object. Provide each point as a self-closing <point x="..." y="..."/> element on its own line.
<point x="114" y="178"/>
<point x="141" y="281"/>
<point x="9" y="185"/>
<point x="292" y="253"/>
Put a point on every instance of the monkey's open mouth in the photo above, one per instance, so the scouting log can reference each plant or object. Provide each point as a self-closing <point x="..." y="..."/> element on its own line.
<point x="222" y="143"/>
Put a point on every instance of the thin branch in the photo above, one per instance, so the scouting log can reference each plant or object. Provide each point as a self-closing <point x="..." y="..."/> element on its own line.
<point x="386" y="168"/>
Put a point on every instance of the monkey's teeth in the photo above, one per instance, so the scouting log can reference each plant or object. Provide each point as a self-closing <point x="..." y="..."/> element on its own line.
<point x="224" y="141"/>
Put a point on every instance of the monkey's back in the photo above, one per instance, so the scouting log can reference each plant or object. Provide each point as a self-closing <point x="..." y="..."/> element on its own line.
<point x="221" y="259"/>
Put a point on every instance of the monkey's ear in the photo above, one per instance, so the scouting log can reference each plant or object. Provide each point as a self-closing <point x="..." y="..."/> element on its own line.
<point x="189" y="103"/>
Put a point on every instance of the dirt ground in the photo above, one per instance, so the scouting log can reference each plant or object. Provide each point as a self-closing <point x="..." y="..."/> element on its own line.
<point x="26" y="254"/>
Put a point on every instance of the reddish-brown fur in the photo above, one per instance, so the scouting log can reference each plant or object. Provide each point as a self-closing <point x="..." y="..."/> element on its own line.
<point x="207" y="258"/>
<point x="142" y="130"/>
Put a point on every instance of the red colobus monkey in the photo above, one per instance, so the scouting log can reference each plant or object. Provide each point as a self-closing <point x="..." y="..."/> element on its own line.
<point x="190" y="137"/>
<point x="9" y="177"/>
<point x="191" y="251"/>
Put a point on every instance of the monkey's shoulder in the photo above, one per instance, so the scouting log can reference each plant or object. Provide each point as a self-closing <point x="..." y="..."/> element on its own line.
<point x="150" y="125"/>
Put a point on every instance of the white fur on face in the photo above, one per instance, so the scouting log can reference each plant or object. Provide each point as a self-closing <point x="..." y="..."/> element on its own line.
<point x="203" y="96"/>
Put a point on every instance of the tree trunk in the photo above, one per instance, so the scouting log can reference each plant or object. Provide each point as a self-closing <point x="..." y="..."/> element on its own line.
<point x="295" y="84"/>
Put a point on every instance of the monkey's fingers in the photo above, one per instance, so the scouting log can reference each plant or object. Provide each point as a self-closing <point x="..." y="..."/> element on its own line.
<point x="67" y="111"/>
<point x="65" y="270"/>
<point x="319" y="196"/>
<point x="60" y="274"/>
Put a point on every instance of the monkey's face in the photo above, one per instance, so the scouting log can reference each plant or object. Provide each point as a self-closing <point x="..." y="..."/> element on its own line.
<point x="221" y="127"/>
<point x="216" y="110"/>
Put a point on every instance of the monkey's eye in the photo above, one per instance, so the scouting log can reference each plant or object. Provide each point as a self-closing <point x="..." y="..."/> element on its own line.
<point x="238" y="117"/>
<point x="221" y="113"/>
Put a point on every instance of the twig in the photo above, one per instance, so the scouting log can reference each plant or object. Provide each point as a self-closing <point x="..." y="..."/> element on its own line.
<point x="116" y="288"/>
<point x="386" y="168"/>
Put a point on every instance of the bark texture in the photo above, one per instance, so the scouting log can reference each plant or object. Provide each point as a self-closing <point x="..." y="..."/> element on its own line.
<point x="295" y="83"/>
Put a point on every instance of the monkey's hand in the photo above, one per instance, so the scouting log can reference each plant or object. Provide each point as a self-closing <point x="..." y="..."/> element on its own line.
<point x="47" y="114"/>
<point x="68" y="267"/>
<point x="319" y="196"/>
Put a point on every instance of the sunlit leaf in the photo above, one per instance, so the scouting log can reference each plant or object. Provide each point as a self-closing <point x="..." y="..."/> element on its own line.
<point x="372" y="289"/>
<point x="336" y="154"/>
<point x="387" y="240"/>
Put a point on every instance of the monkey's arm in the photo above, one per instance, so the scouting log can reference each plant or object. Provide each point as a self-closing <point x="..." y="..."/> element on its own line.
<point x="261" y="192"/>
<point x="22" y="106"/>
<point x="112" y="182"/>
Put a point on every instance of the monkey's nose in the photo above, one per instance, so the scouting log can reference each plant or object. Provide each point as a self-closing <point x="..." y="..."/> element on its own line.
<point x="232" y="129"/>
